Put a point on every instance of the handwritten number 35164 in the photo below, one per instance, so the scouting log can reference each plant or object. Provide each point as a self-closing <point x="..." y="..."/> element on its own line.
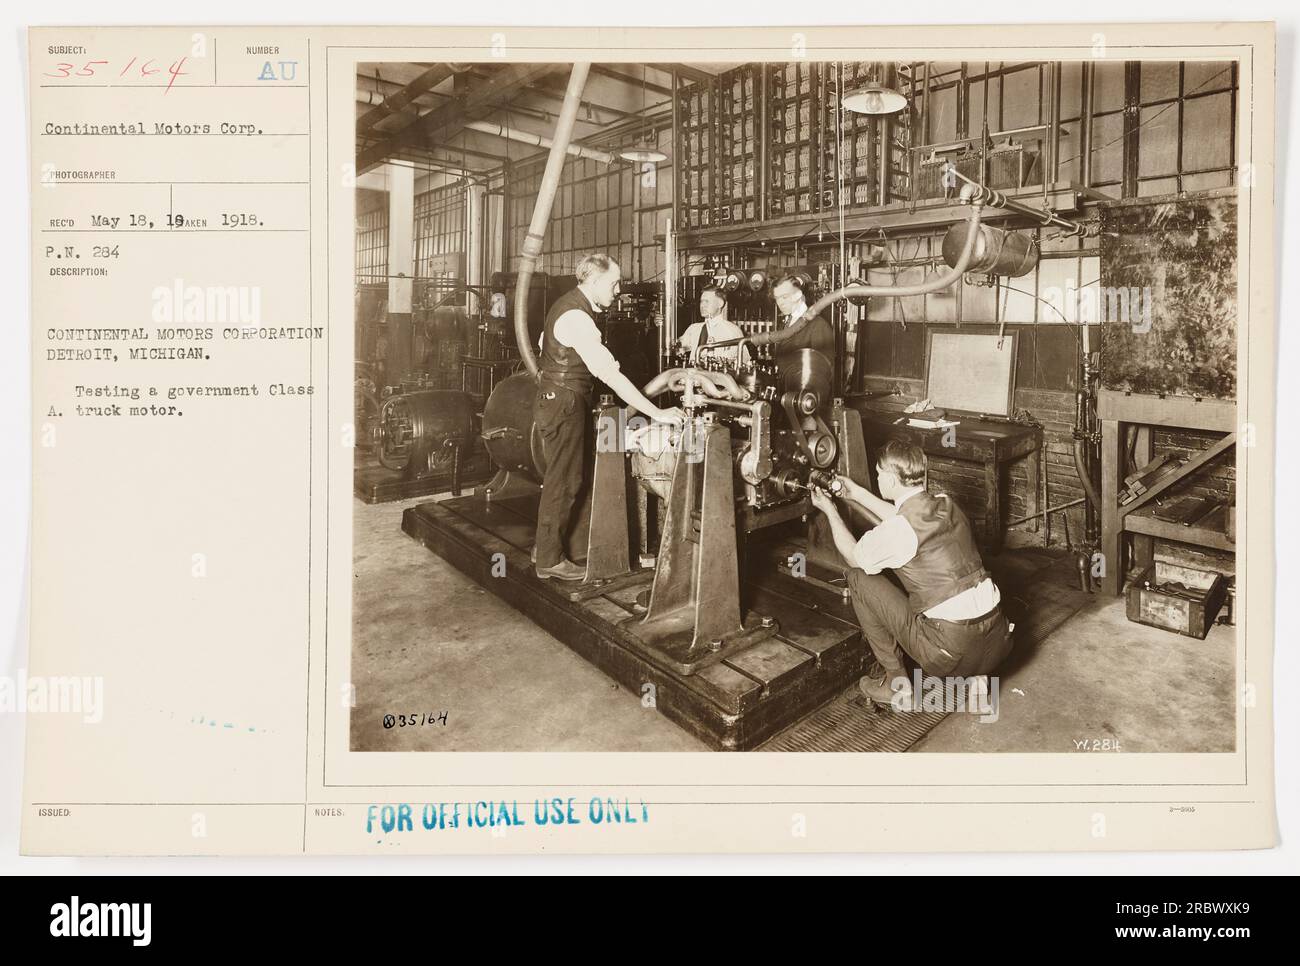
<point x="145" y="69"/>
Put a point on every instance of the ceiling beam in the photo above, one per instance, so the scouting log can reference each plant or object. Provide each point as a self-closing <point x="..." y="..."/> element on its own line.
<point x="398" y="102"/>
<point x="447" y="120"/>
<point x="605" y="70"/>
<point x="553" y="88"/>
<point x="689" y="73"/>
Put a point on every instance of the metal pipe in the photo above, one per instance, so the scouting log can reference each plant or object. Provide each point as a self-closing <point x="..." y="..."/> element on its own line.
<point x="532" y="246"/>
<point x="1044" y="513"/>
<point x="668" y="328"/>
<point x="536" y="140"/>
<point x="716" y="385"/>
<point x="1085" y="127"/>
<point x="731" y="404"/>
<point x="760" y="195"/>
<point x="942" y="280"/>
<point x="996" y="199"/>
<point x="1085" y="477"/>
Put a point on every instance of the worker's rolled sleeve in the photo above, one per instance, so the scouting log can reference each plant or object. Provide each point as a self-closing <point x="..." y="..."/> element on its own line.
<point x="891" y="544"/>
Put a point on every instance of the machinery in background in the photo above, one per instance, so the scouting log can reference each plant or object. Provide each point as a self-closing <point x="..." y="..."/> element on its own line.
<point x="429" y="433"/>
<point x="630" y="328"/>
<point x="419" y="434"/>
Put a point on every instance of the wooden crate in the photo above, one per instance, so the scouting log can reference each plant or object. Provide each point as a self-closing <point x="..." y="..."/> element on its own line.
<point x="1157" y="608"/>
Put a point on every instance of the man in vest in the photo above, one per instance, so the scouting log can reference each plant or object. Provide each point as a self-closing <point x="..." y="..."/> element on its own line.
<point x="572" y="357"/>
<point x="817" y="334"/>
<point x="715" y="327"/>
<point x="950" y="620"/>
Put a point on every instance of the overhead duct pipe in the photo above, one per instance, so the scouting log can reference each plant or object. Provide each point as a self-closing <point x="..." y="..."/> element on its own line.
<point x="996" y="199"/>
<point x="943" y="280"/>
<point x="536" y="140"/>
<point x="532" y="246"/>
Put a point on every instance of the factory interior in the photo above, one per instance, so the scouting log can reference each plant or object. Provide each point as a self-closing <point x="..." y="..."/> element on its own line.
<point x="1029" y="274"/>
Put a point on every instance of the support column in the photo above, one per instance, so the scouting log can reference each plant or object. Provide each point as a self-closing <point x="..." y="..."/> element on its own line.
<point x="475" y="244"/>
<point x="401" y="230"/>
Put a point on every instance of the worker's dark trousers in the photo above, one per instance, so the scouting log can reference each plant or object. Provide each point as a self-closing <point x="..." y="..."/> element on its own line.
<point x="941" y="648"/>
<point x="561" y="419"/>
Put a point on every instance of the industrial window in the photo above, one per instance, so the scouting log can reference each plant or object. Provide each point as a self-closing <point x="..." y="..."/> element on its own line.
<point x="439" y="236"/>
<point x="596" y="209"/>
<point x="1186" y="122"/>
<point x="372" y="246"/>
<point x="1158" y="127"/>
<point x="957" y="104"/>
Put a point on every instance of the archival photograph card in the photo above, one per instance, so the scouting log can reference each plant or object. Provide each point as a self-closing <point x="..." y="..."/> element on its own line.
<point x="526" y="439"/>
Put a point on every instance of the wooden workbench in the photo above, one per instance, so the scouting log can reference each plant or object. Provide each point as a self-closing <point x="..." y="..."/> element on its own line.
<point x="990" y="443"/>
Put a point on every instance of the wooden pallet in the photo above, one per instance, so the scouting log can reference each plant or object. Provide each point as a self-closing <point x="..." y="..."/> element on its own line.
<point x="733" y="705"/>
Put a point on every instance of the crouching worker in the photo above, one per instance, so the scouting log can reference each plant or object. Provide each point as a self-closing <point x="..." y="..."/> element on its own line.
<point x="950" y="620"/>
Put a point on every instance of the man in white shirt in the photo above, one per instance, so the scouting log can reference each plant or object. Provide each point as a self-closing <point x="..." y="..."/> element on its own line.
<point x="572" y="356"/>
<point x="950" y="620"/>
<point x="716" y="327"/>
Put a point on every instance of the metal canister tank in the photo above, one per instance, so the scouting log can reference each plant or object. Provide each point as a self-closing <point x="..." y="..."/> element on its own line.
<point x="509" y="432"/>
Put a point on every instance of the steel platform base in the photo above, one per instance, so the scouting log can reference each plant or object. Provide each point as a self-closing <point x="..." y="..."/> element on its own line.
<point x="733" y="705"/>
<point x="375" y="484"/>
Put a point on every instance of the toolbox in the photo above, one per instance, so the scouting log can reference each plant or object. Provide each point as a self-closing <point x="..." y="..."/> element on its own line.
<point x="1177" y="598"/>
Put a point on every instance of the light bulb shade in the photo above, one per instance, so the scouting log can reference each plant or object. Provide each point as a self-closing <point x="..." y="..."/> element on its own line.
<point x="874" y="99"/>
<point x="643" y="155"/>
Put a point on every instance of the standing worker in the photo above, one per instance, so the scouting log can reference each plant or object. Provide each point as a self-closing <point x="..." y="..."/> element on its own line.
<point x="816" y="333"/>
<point x="715" y="327"/>
<point x="572" y="356"/>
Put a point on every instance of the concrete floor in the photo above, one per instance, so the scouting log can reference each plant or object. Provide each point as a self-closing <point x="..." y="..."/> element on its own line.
<point x="428" y="639"/>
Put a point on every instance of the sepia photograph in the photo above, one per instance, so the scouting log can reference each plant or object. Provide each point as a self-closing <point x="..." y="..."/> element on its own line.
<point x="588" y="443"/>
<point x="811" y="406"/>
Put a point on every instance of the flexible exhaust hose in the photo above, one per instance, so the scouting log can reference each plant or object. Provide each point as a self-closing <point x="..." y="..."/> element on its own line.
<point x="941" y="281"/>
<point x="532" y="246"/>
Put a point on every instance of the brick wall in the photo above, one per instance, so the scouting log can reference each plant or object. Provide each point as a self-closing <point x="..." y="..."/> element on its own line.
<point x="965" y="481"/>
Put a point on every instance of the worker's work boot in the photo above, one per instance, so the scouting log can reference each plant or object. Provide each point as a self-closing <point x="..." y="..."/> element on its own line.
<point x="881" y="689"/>
<point x="564" y="570"/>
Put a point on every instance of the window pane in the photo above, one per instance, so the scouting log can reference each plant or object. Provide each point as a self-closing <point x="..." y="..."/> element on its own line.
<point x="1020" y="99"/>
<point x="1159" y="80"/>
<point x="1160" y="186"/>
<point x="1206" y="76"/>
<point x="1071" y="96"/>
<point x="1058" y="282"/>
<point x="1018" y="305"/>
<point x="1108" y="86"/>
<point x="1206" y="136"/>
<point x="1158" y="140"/>
<point x="1107" y="148"/>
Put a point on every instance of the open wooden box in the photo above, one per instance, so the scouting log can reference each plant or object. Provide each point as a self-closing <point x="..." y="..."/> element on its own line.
<point x="1173" y="611"/>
